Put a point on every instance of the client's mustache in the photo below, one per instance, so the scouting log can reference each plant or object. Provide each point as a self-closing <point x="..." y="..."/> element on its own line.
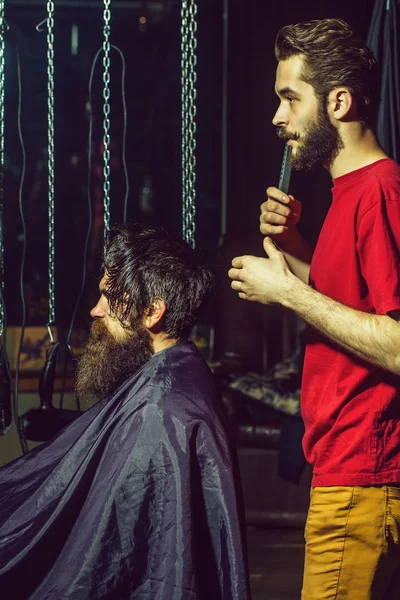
<point x="98" y="331"/>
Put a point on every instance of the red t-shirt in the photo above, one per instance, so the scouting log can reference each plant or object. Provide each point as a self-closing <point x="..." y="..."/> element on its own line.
<point x="351" y="409"/>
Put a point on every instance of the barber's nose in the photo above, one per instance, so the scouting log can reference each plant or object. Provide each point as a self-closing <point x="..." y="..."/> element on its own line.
<point x="280" y="118"/>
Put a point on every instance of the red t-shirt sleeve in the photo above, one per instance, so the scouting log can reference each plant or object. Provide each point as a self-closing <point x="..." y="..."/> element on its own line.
<point x="378" y="245"/>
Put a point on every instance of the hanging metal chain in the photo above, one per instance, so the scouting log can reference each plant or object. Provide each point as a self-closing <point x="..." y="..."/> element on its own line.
<point x="106" y="113"/>
<point x="2" y="30"/>
<point x="50" y="130"/>
<point x="189" y="78"/>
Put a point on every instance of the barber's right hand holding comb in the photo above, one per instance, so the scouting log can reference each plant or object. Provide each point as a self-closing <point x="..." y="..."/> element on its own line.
<point x="279" y="214"/>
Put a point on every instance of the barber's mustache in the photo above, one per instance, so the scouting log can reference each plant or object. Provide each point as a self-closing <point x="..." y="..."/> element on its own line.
<point x="282" y="133"/>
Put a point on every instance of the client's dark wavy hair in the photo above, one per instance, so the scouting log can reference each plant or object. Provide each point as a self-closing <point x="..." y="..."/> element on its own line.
<point x="146" y="263"/>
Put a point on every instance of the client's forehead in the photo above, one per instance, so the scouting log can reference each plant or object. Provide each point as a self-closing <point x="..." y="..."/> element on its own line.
<point x="103" y="285"/>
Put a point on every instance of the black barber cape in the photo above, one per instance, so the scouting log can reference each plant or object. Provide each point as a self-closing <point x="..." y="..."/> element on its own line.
<point x="136" y="499"/>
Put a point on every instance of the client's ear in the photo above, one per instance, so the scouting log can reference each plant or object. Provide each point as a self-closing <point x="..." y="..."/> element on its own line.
<point x="154" y="314"/>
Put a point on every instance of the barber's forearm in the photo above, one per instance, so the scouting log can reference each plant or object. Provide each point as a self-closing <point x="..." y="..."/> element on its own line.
<point x="374" y="338"/>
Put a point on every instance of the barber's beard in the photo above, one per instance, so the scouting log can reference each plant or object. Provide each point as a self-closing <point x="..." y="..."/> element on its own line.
<point x="107" y="362"/>
<point x="319" y="143"/>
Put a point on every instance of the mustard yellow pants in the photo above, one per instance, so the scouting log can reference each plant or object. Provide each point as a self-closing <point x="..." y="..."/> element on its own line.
<point x="353" y="544"/>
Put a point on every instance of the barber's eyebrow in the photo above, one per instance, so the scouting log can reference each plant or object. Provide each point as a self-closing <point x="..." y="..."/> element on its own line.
<point x="287" y="91"/>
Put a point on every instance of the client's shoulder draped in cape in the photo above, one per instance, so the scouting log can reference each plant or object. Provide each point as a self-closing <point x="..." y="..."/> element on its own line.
<point x="138" y="498"/>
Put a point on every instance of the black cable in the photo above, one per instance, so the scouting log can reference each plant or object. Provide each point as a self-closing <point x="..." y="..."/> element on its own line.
<point x="90" y="140"/>
<point x="90" y="223"/>
<point x="89" y="229"/>
<point x="124" y="131"/>
<point x="90" y="211"/>
<point x="21" y="437"/>
<point x="3" y="337"/>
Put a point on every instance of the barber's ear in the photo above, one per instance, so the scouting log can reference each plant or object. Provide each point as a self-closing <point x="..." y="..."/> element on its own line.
<point x="341" y="104"/>
<point x="155" y="313"/>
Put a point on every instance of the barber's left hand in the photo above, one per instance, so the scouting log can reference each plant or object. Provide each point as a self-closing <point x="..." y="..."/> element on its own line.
<point x="264" y="280"/>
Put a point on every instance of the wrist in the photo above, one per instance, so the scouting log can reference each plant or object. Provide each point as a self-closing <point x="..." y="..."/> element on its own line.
<point x="295" y="288"/>
<point x="289" y="240"/>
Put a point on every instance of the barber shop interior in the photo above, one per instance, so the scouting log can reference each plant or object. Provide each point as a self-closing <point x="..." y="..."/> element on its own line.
<point x="144" y="196"/>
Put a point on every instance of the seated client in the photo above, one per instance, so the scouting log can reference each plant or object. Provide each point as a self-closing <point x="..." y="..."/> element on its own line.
<point x="139" y="497"/>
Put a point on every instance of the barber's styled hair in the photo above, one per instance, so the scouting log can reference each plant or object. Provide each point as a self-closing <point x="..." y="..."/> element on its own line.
<point x="333" y="56"/>
<point x="146" y="263"/>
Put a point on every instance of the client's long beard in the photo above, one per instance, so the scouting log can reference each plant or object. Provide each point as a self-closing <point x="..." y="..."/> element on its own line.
<point x="106" y="362"/>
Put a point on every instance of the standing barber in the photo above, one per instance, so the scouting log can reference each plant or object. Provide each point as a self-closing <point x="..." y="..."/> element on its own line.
<point x="348" y="290"/>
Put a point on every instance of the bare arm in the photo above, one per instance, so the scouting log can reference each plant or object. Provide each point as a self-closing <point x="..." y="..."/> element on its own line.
<point x="374" y="338"/>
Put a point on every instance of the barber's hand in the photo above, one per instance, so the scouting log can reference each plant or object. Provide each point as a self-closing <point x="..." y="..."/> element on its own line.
<point x="279" y="214"/>
<point x="265" y="280"/>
